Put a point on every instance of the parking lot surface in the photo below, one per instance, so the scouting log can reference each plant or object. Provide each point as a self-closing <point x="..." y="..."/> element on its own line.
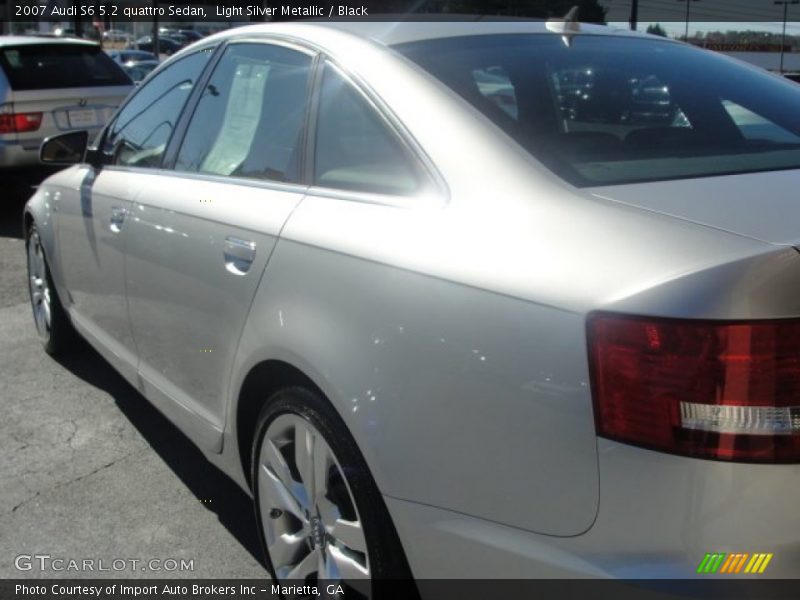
<point x="89" y="470"/>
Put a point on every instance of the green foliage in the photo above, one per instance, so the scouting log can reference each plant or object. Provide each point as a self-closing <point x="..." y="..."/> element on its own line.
<point x="657" y="29"/>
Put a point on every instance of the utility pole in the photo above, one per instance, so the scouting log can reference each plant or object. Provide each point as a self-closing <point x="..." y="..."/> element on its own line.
<point x="688" y="3"/>
<point x="154" y="38"/>
<point x="634" y="14"/>
<point x="5" y="13"/>
<point x="785" y="4"/>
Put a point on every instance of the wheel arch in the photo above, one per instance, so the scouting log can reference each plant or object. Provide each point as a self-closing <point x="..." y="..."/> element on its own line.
<point x="262" y="381"/>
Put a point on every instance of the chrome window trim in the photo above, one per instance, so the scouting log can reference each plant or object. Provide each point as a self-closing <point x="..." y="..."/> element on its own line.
<point x="268" y="184"/>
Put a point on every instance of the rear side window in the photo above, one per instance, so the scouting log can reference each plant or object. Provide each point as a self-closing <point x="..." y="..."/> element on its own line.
<point x="249" y="120"/>
<point x="609" y="110"/>
<point x="50" y="66"/>
<point x="355" y="150"/>
<point x="140" y="132"/>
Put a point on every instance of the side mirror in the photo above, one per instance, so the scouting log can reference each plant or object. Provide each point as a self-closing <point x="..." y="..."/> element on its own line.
<point x="64" y="149"/>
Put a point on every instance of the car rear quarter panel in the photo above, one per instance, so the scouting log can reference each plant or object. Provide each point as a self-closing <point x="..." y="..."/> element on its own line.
<point x="452" y="340"/>
<point x="449" y="390"/>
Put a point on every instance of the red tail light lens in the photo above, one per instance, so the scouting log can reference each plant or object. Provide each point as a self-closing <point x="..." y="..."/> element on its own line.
<point x="721" y="390"/>
<point x="20" y="122"/>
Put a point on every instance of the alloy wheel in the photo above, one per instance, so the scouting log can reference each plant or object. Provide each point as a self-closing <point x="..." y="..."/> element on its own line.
<point x="39" y="288"/>
<point x="312" y="528"/>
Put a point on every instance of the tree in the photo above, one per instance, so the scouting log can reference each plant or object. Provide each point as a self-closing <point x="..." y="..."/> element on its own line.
<point x="657" y="29"/>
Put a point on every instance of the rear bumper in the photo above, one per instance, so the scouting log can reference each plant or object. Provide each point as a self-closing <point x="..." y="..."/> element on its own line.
<point x="19" y="154"/>
<point x="659" y="515"/>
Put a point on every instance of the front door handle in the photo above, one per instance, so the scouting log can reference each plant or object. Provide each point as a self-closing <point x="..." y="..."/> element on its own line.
<point x="117" y="219"/>
<point x="239" y="255"/>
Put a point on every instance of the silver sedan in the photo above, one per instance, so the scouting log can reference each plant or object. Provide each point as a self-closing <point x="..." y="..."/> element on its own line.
<point x="454" y="300"/>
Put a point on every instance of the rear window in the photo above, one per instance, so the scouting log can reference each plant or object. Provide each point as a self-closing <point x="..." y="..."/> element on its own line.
<point x="604" y="110"/>
<point x="49" y="66"/>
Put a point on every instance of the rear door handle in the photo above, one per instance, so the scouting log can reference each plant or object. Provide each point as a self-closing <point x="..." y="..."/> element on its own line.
<point x="239" y="254"/>
<point x="117" y="219"/>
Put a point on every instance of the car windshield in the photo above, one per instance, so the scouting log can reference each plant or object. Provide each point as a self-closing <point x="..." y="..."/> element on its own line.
<point x="49" y="66"/>
<point x="601" y="110"/>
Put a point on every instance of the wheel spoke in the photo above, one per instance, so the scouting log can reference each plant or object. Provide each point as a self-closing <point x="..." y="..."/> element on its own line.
<point x="347" y="568"/>
<point x="40" y="268"/>
<point x="322" y="465"/>
<point x="287" y="548"/>
<point x="273" y="493"/>
<point x="304" y="447"/>
<point x="39" y="319"/>
<point x="277" y="463"/>
<point x="350" y="534"/>
<point x="304" y="568"/>
<point x="322" y="566"/>
<point x="46" y="307"/>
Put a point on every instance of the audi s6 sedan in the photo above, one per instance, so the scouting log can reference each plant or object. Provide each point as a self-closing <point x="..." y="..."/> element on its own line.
<point x="452" y="300"/>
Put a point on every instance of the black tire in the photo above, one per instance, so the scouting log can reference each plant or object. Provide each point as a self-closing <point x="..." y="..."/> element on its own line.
<point x="58" y="336"/>
<point x="385" y="554"/>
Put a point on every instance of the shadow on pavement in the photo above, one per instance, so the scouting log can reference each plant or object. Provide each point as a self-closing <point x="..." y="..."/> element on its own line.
<point x="233" y="507"/>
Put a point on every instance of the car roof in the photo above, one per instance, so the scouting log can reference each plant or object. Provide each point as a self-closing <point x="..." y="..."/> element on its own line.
<point x="32" y="40"/>
<point x="391" y="33"/>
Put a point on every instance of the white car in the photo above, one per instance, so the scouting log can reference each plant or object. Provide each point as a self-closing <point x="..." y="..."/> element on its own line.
<point x="52" y="85"/>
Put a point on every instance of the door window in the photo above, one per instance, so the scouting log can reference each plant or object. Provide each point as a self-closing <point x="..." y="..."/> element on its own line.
<point x="249" y="120"/>
<point x="139" y="134"/>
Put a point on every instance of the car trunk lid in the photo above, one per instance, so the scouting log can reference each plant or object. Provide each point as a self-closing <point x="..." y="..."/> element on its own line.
<point x="763" y="206"/>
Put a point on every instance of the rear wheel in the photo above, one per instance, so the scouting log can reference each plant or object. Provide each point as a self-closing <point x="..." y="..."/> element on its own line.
<point x="320" y="515"/>
<point x="52" y="323"/>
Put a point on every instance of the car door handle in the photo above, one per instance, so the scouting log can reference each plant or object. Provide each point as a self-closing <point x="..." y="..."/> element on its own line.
<point x="239" y="255"/>
<point x="117" y="219"/>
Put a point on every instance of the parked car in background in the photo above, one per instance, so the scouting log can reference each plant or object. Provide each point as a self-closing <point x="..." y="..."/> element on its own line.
<point x="191" y="35"/>
<point x="792" y="77"/>
<point x="137" y="70"/>
<point x="436" y="321"/>
<point x="115" y="35"/>
<point x="125" y="56"/>
<point x="166" y="45"/>
<point x="64" y="32"/>
<point x="51" y="85"/>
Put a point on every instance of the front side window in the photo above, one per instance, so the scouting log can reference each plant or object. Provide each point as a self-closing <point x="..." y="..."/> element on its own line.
<point x="249" y="120"/>
<point x="140" y="133"/>
<point x="608" y="110"/>
<point x="355" y="150"/>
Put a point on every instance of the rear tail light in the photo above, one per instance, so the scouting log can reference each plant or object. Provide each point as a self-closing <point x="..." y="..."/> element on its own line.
<point x="712" y="389"/>
<point x="20" y="122"/>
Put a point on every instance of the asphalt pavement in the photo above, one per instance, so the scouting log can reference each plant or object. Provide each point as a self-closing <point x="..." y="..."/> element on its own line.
<point x="89" y="470"/>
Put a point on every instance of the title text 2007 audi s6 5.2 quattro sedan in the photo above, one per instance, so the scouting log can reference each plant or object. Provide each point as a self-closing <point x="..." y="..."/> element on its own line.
<point x="454" y="300"/>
